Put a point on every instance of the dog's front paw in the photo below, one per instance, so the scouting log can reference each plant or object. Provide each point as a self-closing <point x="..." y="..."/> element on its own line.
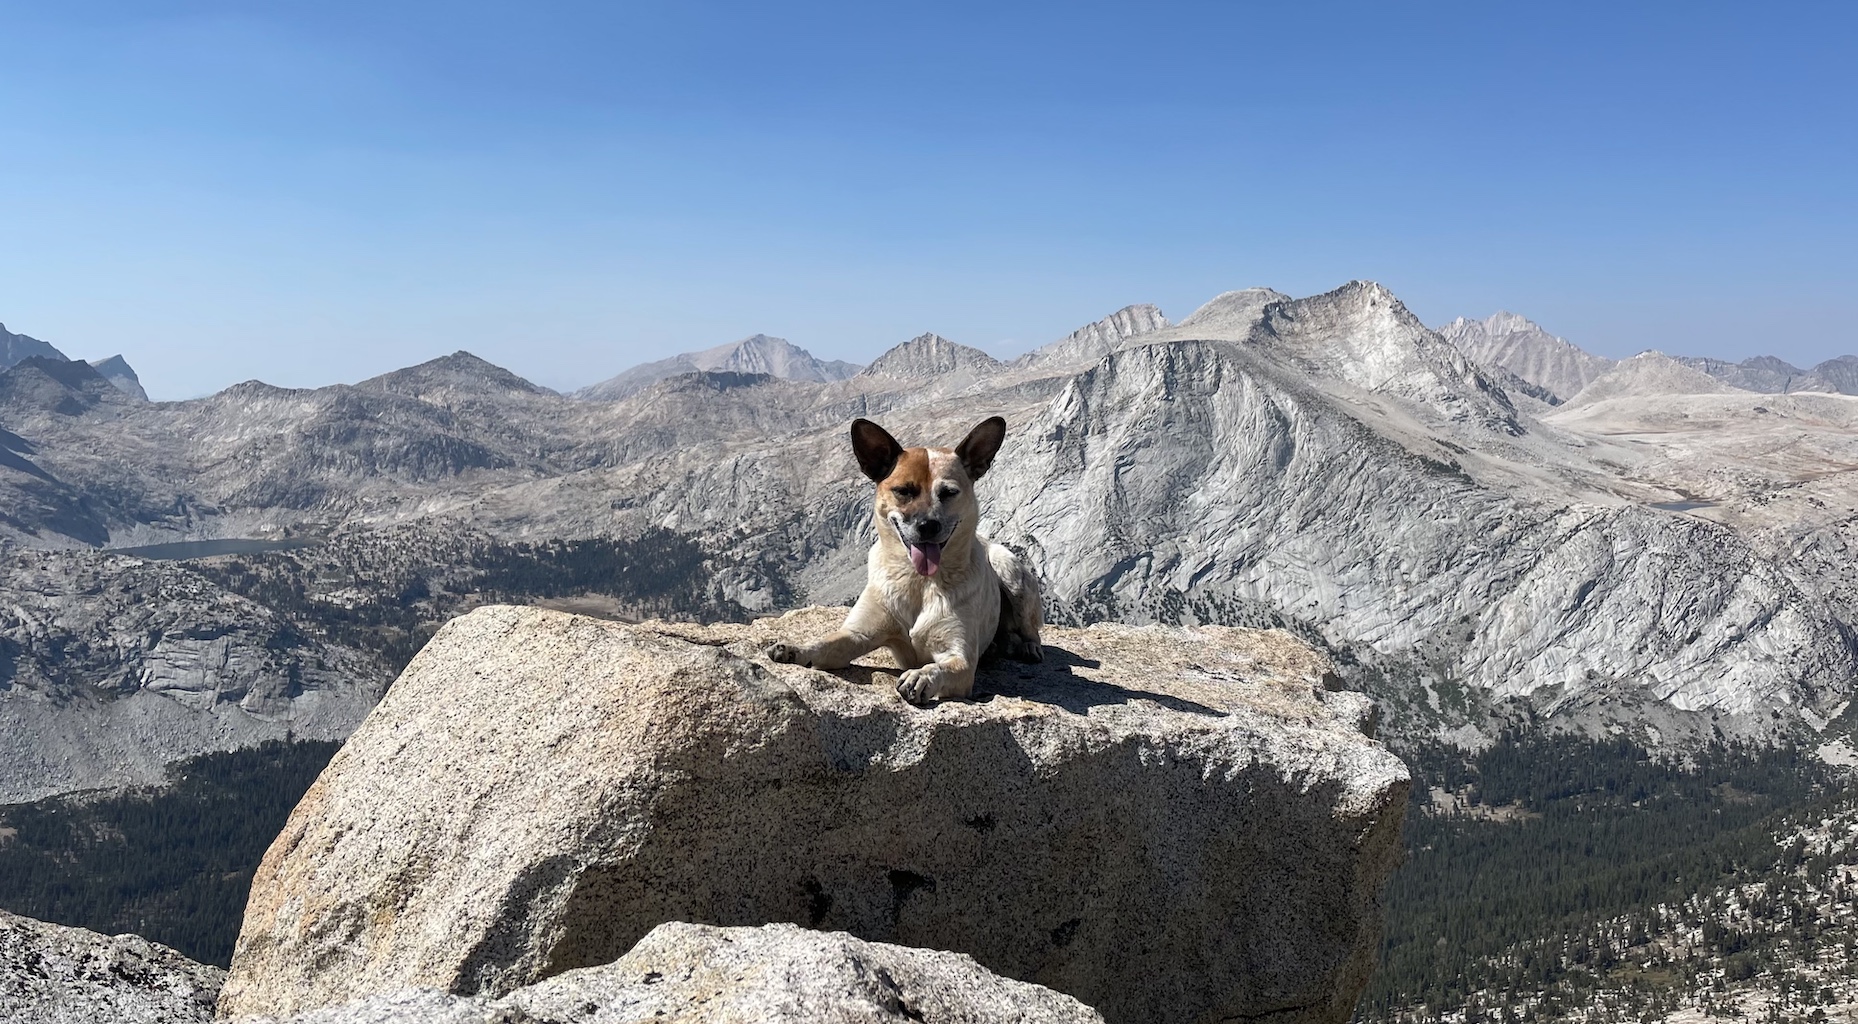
<point x="785" y="654"/>
<point x="919" y="686"/>
<point x="928" y="684"/>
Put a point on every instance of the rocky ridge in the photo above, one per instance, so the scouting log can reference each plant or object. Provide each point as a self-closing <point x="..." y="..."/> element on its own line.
<point x="50" y="974"/>
<point x="1760" y="373"/>
<point x="1093" y="341"/>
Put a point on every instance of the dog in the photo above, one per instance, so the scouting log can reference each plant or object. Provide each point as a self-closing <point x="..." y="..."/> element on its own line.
<point x="937" y="594"/>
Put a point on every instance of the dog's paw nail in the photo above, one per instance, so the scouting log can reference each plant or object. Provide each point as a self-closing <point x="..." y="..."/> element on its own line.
<point x="784" y="654"/>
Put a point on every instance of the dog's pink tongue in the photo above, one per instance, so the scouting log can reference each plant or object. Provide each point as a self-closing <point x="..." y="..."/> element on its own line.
<point x="927" y="558"/>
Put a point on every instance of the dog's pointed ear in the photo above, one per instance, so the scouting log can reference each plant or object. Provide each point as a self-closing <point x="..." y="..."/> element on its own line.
<point x="877" y="451"/>
<point x="977" y="450"/>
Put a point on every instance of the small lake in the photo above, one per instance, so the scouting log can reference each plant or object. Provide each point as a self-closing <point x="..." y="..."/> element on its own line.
<point x="1682" y="506"/>
<point x="208" y="548"/>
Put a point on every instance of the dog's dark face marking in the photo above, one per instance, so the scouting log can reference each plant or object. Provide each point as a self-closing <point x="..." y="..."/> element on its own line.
<point x="926" y="495"/>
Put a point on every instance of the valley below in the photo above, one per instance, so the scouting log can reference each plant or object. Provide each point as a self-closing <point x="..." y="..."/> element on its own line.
<point x="1607" y="608"/>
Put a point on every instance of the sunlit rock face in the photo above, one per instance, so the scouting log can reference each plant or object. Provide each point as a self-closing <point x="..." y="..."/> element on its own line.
<point x="1167" y="824"/>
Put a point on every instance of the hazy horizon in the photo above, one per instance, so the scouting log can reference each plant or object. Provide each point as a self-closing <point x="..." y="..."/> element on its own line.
<point x="309" y="196"/>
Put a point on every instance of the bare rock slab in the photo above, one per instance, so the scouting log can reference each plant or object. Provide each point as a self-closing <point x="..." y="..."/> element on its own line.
<point x="775" y="974"/>
<point x="1167" y="824"/>
<point x="51" y="974"/>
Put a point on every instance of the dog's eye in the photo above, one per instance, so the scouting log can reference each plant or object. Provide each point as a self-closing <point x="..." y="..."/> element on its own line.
<point x="905" y="493"/>
<point x="948" y="494"/>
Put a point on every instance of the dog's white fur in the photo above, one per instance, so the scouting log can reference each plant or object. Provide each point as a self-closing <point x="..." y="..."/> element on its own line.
<point x="982" y="597"/>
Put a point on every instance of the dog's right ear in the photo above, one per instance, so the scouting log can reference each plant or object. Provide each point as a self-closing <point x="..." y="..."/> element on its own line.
<point x="877" y="451"/>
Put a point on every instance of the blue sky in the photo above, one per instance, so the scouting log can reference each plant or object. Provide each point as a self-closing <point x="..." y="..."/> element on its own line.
<point x="310" y="193"/>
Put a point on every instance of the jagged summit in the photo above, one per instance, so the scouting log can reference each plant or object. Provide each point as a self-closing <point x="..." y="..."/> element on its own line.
<point x="1362" y="335"/>
<point x="930" y="355"/>
<point x="117" y="371"/>
<point x="1094" y="341"/>
<point x="1516" y="344"/>
<point x="16" y="348"/>
<point x="757" y="353"/>
<point x="460" y="373"/>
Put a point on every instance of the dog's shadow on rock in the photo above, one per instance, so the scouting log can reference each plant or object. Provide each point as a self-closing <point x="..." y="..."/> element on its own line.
<point x="1055" y="681"/>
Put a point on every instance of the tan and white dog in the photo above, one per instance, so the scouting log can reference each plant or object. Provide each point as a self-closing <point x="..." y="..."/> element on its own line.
<point x="936" y="593"/>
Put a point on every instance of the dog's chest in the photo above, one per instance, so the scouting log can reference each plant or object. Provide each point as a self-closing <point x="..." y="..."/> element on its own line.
<point x="909" y="599"/>
<point x="933" y="615"/>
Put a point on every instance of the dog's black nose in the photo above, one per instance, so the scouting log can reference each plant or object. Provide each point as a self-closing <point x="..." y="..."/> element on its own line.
<point x="929" y="529"/>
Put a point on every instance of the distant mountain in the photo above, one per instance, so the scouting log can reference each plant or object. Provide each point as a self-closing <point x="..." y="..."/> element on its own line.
<point x="1647" y="374"/>
<point x="759" y="353"/>
<point x="1233" y="313"/>
<point x="1360" y="339"/>
<point x="117" y="371"/>
<point x="1767" y="374"/>
<point x="459" y="374"/>
<point x="1841" y="373"/>
<point x="1516" y="344"/>
<point x="1092" y="342"/>
<point x="15" y="348"/>
<point x="930" y="355"/>
<point x="53" y="384"/>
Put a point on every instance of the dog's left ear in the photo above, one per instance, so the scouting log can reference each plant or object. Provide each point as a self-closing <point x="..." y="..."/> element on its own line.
<point x="977" y="450"/>
<point x="877" y="451"/>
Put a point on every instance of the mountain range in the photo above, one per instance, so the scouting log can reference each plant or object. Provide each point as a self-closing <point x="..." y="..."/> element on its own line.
<point x="17" y="348"/>
<point x="1517" y="346"/>
<point x="1649" y="548"/>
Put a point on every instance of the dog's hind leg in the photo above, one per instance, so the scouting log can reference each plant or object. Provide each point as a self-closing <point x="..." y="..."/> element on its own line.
<point x="866" y="628"/>
<point x="1022" y="607"/>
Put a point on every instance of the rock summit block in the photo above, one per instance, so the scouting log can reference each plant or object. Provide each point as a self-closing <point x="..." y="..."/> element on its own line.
<point x="52" y="974"/>
<point x="1168" y="824"/>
